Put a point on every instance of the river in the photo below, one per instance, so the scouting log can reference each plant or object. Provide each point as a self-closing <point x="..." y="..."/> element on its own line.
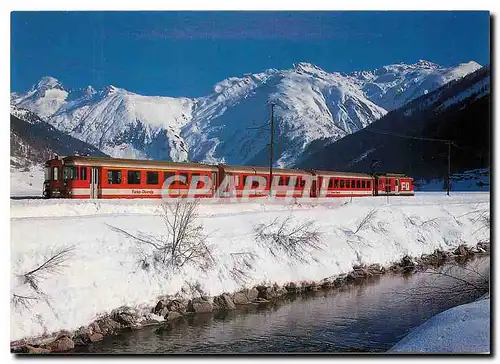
<point x="369" y="316"/>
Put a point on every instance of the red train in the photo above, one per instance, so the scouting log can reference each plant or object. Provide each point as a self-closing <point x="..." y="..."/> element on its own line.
<point x="96" y="177"/>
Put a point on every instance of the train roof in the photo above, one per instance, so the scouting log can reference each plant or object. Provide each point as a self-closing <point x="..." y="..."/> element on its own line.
<point x="263" y="170"/>
<point x="342" y="174"/>
<point x="136" y="163"/>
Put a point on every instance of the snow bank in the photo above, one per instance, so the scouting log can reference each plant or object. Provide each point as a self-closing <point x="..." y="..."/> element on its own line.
<point x="104" y="273"/>
<point x="26" y="182"/>
<point x="473" y="180"/>
<point x="461" y="329"/>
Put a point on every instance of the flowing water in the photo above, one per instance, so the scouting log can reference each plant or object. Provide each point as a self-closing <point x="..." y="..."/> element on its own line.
<point x="369" y="316"/>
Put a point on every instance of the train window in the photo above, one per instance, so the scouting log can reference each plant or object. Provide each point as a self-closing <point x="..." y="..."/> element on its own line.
<point x="47" y="173"/>
<point x="363" y="184"/>
<point x="152" y="178"/>
<point x="358" y="183"/>
<point x="330" y="183"/>
<point x="183" y="180"/>
<point x="353" y="183"/>
<point x="167" y="175"/>
<point x="69" y="173"/>
<point x="281" y="181"/>
<point x="83" y="173"/>
<point x="368" y="184"/>
<point x="348" y="183"/>
<point x="55" y="174"/>
<point x="341" y="183"/>
<point x="397" y="182"/>
<point x="336" y="183"/>
<point x="195" y="177"/>
<point x="114" y="177"/>
<point x="134" y="177"/>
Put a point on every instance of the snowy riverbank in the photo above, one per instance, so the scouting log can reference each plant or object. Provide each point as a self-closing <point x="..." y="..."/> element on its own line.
<point x="104" y="273"/>
<point x="461" y="329"/>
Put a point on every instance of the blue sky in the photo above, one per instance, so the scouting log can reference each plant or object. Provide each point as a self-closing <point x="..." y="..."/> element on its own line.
<point x="186" y="53"/>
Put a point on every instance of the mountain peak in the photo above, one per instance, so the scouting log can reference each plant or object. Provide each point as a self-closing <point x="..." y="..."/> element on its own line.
<point x="472" y="64"/>
<point x="422" y="63"/>
<point x="111" y="90"/>
<point x="306" y="67"/>
<point x="48" y="82"/>
<point x="89" y="91"/>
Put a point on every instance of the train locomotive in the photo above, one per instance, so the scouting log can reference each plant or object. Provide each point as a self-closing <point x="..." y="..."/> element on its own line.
<point x="83" y="177"/>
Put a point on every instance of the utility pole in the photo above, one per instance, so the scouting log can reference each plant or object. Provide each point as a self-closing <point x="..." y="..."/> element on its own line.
<point x="449" y="168"/>
<point x="271" y="152"/>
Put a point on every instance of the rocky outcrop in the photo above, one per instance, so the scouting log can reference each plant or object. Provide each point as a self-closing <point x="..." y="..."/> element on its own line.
<point x="199" y="305"/>
<point x="173" y="316"/>
<point x="177" y="306"/>
<point x="224" y="302"/>
<point x="126" y="316"/>
<point x="62" y="344"/>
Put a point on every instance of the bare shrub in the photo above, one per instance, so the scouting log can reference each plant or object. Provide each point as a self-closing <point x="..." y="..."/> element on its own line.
<point x="184" y="243"/>
<point x="290" y="238"/>
<point x="482" y="219"/>
<point x="20" y="301"/>
<point x="242" y="265"/>
<point x="365" y="221"/>
<point x="52" y="265"/>
<point x="452" y="281"/>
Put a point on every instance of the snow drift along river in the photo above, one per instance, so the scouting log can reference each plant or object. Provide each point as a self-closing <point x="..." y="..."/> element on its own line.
<point x="103" y="272"/>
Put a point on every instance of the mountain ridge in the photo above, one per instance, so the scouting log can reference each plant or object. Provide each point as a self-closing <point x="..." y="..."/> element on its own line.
<point x="406" y="139"/>
<point x="311" y="103"/>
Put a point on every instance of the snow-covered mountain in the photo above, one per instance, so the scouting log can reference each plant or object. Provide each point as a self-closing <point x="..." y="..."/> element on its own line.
<point x="44" y="99"/>
<point x="458" y="111"/>
<point x="310" y="104"/>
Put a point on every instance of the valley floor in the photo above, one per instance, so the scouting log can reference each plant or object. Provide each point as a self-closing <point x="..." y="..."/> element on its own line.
<point x="104" y="272"/>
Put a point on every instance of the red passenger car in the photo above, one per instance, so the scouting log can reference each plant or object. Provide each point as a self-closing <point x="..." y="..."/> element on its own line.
<point x="343" y="184"/>
<point x="393" y="184"/>
<point x="254" y="182"/>
<point x="96" y="177"/>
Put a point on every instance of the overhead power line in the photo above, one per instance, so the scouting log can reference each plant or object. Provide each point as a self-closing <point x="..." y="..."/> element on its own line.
<point x="408" y="136"/>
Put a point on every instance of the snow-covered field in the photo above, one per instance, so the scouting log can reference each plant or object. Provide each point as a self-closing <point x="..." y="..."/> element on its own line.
<point x="103" y="271"/>
<point x="472" y="180"/>
<point x="26" y="182"/>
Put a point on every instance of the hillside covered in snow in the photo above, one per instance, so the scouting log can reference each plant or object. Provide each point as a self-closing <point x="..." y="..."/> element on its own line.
<point x="311" y="104"/>
<point x="33" y="141"/>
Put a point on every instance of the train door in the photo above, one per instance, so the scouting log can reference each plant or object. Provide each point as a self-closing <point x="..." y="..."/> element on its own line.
<point x="94" y="182"/>
<point x="215" y="184"/>
<point x="314" y="186"/>
<point x="396" y="186"/>
<point x="388" y="185"/>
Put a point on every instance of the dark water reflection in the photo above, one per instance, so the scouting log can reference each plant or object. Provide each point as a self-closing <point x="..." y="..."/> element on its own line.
<point x="370" y="316"/>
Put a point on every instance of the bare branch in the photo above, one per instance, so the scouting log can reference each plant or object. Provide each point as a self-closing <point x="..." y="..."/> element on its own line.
<point x="365" y="220"/>
<point x="289" y="238"/>
<point x="184" y="242"/>
<point x="22" y="301"/>
<point x="52" y="265"/>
